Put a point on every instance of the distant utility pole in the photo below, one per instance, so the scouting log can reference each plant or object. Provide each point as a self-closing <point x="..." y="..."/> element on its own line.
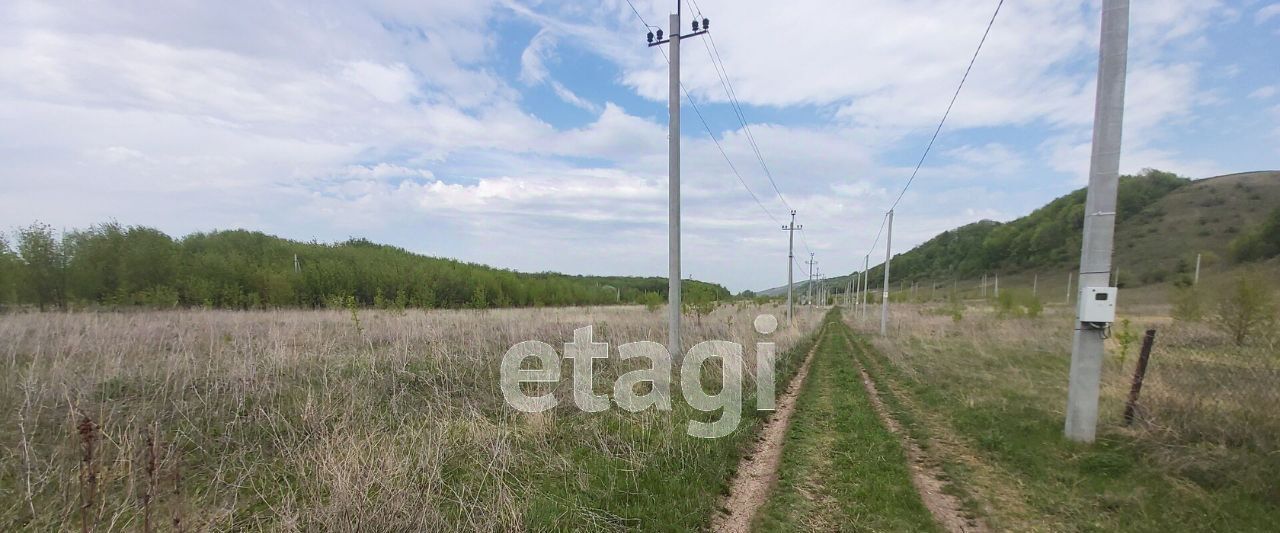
<point x="884" y="305"/>
<point x="1197" y="279"/>
<point x="1035" y="282"/>
<point x="791" y="260"/>
<point x="1068" y="288"/>
<point x="866" y="271"/>
<point x="856" y="295"/>
<point x="997" y="285"/>
<point x="297" y="267"/>
<point x="809" y="285"/>
<point x="822" y="300"/>
<point x="673" y="174"/>
<point x="1100" y="217"/>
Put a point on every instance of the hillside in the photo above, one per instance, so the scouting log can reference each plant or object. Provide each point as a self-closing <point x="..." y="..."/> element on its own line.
<point x="1163" y="221"/>
<point x="112" y="265"/>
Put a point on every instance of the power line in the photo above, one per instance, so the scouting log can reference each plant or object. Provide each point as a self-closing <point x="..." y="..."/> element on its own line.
<point x="713" y="52"/>
<point x="949" y="106"/>
<point x="633" y="10"/>
<point x="694" y="104"/>
<point x="737" y="109"/>
<point x="878" y="233"/>
<point x="734" y="168"/>
<point x="938" y="130"/>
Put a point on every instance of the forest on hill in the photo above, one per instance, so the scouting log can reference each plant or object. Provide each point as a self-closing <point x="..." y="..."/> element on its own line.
<point x="1048" y="236"/>
<point x="1162" y="222"/>
<point x="111" y="265"/>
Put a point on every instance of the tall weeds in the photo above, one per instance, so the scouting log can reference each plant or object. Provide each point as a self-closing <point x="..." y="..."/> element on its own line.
<point x="296" y="420"/>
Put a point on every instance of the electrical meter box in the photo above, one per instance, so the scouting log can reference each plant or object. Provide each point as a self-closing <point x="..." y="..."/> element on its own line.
<point x="1098" y="304"/>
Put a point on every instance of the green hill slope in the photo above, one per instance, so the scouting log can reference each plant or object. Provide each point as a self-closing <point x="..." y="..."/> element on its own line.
<point x="109" y="264"/>
<point x="1162" y="222"/>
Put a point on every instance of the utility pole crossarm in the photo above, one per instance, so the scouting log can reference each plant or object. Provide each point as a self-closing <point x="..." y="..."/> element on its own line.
<point x="791" y="260"/>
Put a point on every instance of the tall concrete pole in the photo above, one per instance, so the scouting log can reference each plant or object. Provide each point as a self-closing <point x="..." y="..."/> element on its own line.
<point x="884" y="304"/>
<point x="1197" y="280"/>
<point x="1100" y="217"/>
<point x="997" y="285"/>
<point x="673" y="179"/>
<point x="791" y="260"/>
<point x="809" y="285"/>
<point x="1035" y="284"/>
<point x="866" y="269"/>
<point x="1068" y="288"/>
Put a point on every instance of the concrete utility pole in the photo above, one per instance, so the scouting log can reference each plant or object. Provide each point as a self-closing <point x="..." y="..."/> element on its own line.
<point x="1068" y="288"/>
<point x="1197" y="279"/>
<point x="809" y="285"/>
<point x="997" y="285"/>
<point x="866" y="270"/>
<point x="884" y="305"/>
<point x="822" y="287"/>
<point x="297" y="267"/>
<point x="673" y="175"/>
<point x="859" y="290"/>
<point x="791" y="260"/>
<point x="1035" y="282"/>
<point x="1100" y="217"/>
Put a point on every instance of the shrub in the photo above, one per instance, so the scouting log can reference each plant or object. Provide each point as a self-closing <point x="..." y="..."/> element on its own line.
<point x="1125" y="338"/>
<point x="1261" y="242"/>
<point x="1245" y="307"/>
<point x="1014" y="303"/>
<point x="1188" y="303"/>
<point x="651" y="300"/>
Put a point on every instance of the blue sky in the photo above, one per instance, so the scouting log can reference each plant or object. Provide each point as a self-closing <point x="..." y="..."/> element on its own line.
<point x="532" y="134"/>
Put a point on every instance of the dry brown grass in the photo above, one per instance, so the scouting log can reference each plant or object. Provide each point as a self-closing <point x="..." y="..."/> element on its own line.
<point x="297" y="420"/>
<point x="1208" y="423"/>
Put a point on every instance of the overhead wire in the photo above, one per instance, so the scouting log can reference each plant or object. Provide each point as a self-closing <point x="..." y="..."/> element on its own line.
<point x="713" y="52"/>
<point x="718" y="63"/>
<point x="954" y="96"/>
<point x="941" y="122"/>
<point x="698" y="112"/>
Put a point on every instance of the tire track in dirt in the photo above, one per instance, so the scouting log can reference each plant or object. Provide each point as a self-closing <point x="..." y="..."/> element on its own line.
<point x="926" y="475"/>
<point x="758" y="472"/>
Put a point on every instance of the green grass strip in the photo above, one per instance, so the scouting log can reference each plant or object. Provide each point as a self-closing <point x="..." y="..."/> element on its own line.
<point x="841" y="469"/>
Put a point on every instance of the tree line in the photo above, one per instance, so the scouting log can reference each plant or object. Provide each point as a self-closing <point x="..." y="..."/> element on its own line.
<point x="111" y="265"/>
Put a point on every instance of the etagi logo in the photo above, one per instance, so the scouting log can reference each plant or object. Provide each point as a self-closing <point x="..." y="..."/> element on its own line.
<point x="583" y="352"/>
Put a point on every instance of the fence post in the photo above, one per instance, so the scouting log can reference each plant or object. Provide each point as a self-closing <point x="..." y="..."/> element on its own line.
<point x="1138" y="374"/>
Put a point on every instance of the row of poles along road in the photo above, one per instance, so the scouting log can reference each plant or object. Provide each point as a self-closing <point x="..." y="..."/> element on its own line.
<point x="1099" y="222"/>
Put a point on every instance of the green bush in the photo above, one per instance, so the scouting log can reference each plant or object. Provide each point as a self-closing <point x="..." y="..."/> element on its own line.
<point x="1261" y="242"/>
<point x="1246" y="307"/>
<point x="1188" y="303"/>
<point x="1014" y="303"/>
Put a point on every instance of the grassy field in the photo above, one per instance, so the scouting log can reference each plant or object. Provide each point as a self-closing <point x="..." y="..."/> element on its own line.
<point x="986" y="395"/>
<point x="320" y="420"/>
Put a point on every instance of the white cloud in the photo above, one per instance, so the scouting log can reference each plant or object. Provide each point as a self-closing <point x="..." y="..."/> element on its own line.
<point x="1264" y="92"/>
<point x="327" y="119"/>
<point x="1267" y="13"/>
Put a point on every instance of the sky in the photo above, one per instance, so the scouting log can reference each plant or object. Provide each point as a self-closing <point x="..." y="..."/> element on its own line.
<point x="532" y="135"/>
